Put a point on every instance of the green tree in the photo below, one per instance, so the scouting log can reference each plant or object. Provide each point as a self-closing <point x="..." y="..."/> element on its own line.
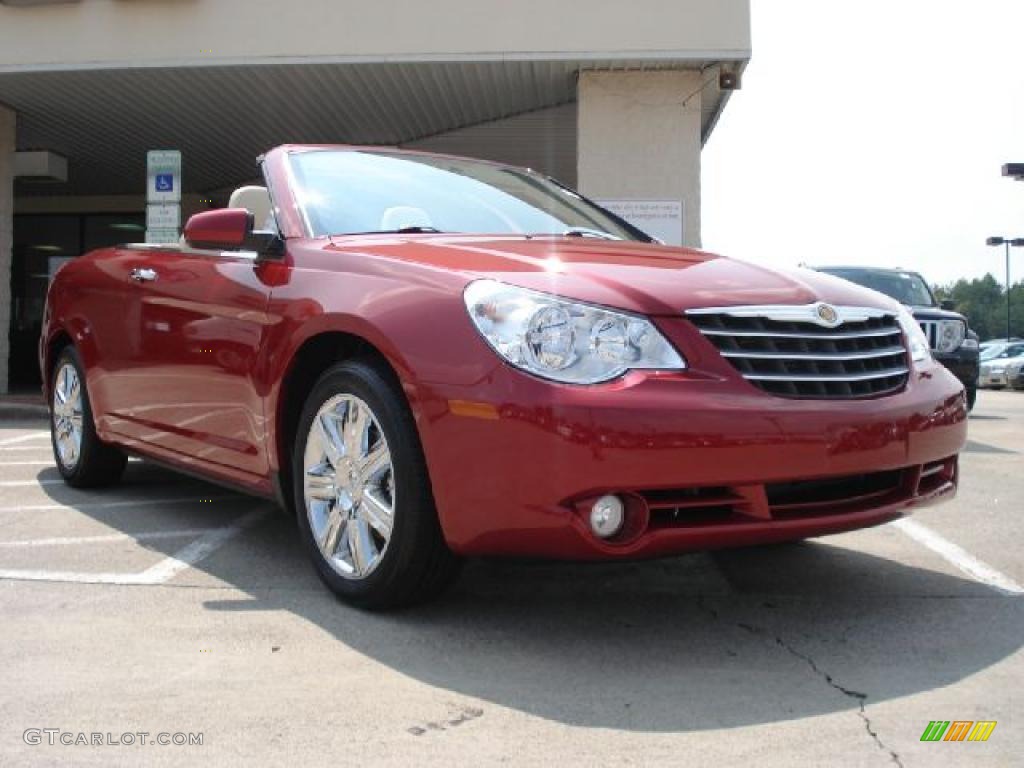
<point x="983" y="302"/>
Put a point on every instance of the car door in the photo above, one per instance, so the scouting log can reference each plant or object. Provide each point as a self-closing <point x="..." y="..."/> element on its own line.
<point x="201" y="320"/>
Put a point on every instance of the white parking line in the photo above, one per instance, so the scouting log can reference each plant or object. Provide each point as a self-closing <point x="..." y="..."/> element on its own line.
<point x="25" y="438"/>
<point x="71" y="576"/>
<point x="122" y="503"/>
<point x="109" y="538"/>
<point x="27" y="483"/>
<point x="198" y="550"/>
<point x="37" y="463"/>
<point x="26" y="448"/>
<point x="962" y="559"/>
<point x="162" y="572"/>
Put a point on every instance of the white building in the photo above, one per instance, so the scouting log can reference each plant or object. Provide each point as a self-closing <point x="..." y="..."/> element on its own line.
<point x="615" y="98"/>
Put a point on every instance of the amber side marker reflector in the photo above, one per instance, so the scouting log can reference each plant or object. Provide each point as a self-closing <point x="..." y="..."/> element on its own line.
<point x="473" y="409"/>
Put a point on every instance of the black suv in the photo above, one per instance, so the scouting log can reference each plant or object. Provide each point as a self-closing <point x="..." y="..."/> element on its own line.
<point x="953" y="343"/>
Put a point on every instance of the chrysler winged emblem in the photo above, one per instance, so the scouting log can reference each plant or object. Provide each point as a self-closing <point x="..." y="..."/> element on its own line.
<point x="827" y="314"/>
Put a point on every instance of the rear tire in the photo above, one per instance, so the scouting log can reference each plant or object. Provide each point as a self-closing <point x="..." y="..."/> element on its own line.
<point x="972" y="397"/>
<point x="365" y="509"/>
<point x="83" y="460"/>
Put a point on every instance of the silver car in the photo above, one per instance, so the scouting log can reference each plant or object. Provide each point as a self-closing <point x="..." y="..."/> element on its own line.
<point x="996" y="360"/>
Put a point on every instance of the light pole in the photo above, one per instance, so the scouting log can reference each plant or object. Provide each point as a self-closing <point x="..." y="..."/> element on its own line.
<point x="1016" y="242"/>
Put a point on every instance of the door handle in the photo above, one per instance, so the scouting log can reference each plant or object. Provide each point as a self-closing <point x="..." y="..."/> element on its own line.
<point x="142" y="275"/>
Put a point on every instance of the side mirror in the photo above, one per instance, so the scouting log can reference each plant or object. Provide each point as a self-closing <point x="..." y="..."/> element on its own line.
<point x="231" y="229"/>
<point x="227" y="228"/>
<point x="948" y="304"/>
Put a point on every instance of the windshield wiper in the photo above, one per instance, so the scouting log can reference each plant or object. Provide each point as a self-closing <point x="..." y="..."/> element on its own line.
<point x="588" y="232"/>
<point x="417" y="230"/>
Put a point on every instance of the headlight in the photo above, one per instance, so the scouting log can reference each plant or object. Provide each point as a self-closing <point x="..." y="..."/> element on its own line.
<point x="916" y="340"/>
<point x="950" y="335"/>
<point x="565" y="340"/>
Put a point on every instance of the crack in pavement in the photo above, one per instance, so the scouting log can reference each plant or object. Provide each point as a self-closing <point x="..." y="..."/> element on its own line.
<point x="859" y="697"/>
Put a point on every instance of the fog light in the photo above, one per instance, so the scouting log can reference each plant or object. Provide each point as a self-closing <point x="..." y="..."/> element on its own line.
<point x="606" y="516"/>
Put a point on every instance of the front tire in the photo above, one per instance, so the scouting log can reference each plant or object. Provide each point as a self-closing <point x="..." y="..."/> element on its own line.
<point x="83" y="460"/>
<point x="972" y="397"/>
<point x="365" y="509"/>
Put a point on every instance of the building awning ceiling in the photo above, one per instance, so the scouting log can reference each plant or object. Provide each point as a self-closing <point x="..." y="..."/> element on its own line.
<point x="223" y="117"/>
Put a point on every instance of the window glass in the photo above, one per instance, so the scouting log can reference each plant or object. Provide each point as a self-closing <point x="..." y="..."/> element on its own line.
<point x="42" y="243"/>
<point x="351" y="192"/>
<point x="103" y="230"/>
<point x="906" y="287"/>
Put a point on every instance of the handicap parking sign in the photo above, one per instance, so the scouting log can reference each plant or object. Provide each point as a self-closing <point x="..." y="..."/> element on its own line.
<point x="163" y="174"/>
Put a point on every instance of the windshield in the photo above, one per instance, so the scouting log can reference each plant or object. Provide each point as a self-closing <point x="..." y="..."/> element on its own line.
<point x="346" y="192"/>
<point x="993" y="351"/>
<point x="906" y="287"/>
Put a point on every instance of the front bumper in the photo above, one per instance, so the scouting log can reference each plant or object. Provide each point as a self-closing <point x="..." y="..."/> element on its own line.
<point x="993" y="379"/>
<point x="963" y="364"/>
<point x="515" y="461"/>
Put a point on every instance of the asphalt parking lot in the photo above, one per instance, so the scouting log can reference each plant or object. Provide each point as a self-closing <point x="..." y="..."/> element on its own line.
<point x="171" y="606"/>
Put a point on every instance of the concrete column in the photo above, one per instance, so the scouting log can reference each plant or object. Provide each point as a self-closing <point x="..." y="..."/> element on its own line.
<point x="640" y="139"/>
<point x="7" y="147"/>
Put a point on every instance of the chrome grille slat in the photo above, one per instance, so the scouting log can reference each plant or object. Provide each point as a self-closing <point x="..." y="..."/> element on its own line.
<point x="885" y="352"/>
<point x="810" y="351"/>
<point x="803" y="377"/>
<point x="769" y="334"/>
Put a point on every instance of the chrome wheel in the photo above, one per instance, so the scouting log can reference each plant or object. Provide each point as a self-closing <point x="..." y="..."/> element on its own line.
<point x="348" y="486"/>
<point x="67" y="416"/>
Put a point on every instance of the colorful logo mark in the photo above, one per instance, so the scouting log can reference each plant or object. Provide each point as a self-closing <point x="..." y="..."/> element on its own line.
<point x="958" y="730"/>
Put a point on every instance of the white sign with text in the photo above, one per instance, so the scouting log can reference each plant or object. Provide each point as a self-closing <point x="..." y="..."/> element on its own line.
<point x="163" y="217"/>
<point x="662" y="219"/>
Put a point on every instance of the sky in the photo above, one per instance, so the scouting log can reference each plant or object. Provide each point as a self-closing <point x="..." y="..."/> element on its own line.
<point x="873" y="133"/>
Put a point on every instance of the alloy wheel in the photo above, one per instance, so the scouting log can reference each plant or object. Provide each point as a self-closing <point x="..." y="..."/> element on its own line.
<point x="67" y="415"/>
<point x="348" y="486"/>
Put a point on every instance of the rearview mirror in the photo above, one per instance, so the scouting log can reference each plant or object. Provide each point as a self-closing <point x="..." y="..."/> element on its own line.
<point x="227" y="228"/>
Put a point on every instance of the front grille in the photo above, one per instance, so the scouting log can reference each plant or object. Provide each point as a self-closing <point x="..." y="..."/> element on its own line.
<point x="787" y="352"/>
<point x="831" y="494"/>
<point x="692" y="506"/>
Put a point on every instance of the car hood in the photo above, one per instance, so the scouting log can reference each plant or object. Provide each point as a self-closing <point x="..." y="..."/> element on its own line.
<point x="1003" y="362"/>
<point x="935" y="313"/>
<point x="641" y="277"/>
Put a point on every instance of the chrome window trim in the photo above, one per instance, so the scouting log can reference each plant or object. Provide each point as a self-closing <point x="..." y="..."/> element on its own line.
<point x="248" y="255"/>
<point x="297" y="194"/>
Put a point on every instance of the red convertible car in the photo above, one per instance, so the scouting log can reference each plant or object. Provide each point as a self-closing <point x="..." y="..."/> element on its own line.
<point x="427" y="357"/>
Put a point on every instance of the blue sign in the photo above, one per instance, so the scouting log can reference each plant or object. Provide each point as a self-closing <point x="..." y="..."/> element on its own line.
<point x="165" y="182"/>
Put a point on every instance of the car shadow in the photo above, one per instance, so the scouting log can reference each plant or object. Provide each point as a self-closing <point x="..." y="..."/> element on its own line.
<point x="974" y="446"/>
<point x="735" y="638"/>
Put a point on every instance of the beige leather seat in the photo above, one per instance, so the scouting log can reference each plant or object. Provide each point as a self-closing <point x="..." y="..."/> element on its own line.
<point x="256" y="200"/>
<point x="402" y="216"/>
